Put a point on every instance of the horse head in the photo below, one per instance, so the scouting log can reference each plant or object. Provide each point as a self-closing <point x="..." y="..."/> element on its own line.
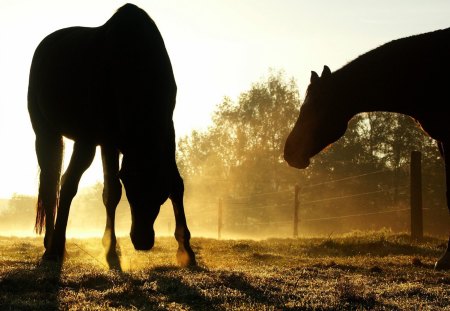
<point x="319" y="124"/>
<point x="147" y="189"/>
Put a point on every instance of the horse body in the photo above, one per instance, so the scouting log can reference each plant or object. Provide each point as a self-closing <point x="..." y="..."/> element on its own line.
<point x="111" y="86"/>
<point x="72" y="96"/>
<point x="408" y="76"/>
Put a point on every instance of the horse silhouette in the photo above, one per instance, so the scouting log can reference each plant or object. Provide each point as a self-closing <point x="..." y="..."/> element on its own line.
<point x="110" y="86"/>
<point x="409" y="76"/>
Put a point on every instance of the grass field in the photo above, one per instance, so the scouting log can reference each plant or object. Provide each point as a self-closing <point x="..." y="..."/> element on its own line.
<point x="373" y="271"/>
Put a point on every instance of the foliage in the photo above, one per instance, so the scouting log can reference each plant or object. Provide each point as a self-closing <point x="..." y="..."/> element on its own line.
<point x="240" y="155"/>
<point x="244" y="145"/>
<point x="238" y="161"/>
<point x="19" y="214"/>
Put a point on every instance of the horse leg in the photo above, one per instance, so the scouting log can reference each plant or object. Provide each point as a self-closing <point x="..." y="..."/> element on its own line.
<point x="49" y="151"/>
<point x="81" y="159"/>
<point x="112" y="192"/>
<point x="185" y="254"/>
<point x="444" y="147"/>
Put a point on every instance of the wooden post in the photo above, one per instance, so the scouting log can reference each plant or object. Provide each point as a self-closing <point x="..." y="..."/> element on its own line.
<point x="296" y="205"/>
<point x="416" y="196"/>
<point x="219" y="220"/>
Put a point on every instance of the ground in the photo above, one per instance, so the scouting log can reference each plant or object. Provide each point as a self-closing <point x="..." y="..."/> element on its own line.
<point x="361" y="271"/>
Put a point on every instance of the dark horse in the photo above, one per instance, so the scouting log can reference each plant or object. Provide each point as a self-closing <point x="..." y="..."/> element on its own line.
<point x="111" y="86"/>
<point x="408" y="76"/>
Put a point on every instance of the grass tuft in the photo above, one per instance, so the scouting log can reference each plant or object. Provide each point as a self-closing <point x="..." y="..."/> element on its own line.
<point x="353" y="294"/>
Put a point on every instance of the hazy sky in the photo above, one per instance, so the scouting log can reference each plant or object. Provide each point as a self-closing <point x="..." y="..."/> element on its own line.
<point x="218" y="48"/>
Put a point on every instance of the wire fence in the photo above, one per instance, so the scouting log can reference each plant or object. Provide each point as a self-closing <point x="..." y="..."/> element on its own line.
<point x="272" y="213"/>
<point x="343" y="203"/>
<point x="253" y="214"/>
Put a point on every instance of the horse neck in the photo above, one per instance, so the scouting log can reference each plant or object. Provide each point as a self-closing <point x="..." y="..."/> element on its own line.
<point x="356" y="89"/>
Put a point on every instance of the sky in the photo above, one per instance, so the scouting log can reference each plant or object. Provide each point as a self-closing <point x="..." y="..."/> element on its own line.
<point x="218" y="48"/>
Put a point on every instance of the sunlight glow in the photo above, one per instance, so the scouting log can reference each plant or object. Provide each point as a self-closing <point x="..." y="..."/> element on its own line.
<point x="217" y="49"/>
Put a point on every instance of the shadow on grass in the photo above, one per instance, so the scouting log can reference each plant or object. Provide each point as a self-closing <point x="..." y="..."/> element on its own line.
<point x="31" y="288"/>
<point x="169" y="280"/>
<point x="188" y="288"/>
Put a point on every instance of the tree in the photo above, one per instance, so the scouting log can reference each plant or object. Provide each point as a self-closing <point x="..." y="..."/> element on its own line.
<point x="244" y="145"/>
<point x="241" y="156"/>
<point x="19" y="215"/>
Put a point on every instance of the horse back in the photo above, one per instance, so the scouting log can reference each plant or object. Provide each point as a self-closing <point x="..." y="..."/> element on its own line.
<point x="100" y="83"/>
<point x="408" y="75"/>
<point x="426" y="81"/>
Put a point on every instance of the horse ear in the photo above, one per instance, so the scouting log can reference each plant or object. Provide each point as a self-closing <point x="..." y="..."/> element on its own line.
<point x="314" y="77"/>
<point x="326" y="71"/>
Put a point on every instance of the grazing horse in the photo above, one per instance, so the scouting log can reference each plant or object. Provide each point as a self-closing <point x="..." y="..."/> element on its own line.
<point x="408" y="76"/>
<point x="110" y="86"/>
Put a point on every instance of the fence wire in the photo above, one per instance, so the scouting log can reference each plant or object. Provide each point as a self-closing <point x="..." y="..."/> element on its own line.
<point x="303" y="203"/>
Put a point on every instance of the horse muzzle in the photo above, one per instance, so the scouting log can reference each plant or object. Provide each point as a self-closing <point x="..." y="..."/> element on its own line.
<point x="295" y="159"/>
<point x="142" y="242"/>
<point x="298" y="163"/>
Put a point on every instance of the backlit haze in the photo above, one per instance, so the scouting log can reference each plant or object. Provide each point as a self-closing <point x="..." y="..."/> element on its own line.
<point x="217" y="47"/>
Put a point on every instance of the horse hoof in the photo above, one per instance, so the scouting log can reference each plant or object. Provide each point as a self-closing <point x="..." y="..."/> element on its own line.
<point x="53" y="256"/>
<point x="186" y="258"/>
<point x="443" y="263"/>
<point x="113" y="261"/>
<point x="439" y="265"/>
<point x="50" y="262"/>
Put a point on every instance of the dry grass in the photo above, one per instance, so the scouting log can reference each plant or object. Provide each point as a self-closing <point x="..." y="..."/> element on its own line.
<point x="358" y="272"/>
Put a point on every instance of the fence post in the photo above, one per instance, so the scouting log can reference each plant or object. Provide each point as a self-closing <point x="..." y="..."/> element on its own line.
<point x="416" y="196"/>
<point x="219" y="220"/>
<point x="296" y="206"/>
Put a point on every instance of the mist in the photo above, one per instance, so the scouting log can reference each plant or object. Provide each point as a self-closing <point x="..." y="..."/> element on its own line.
<point x="238" y="186"/>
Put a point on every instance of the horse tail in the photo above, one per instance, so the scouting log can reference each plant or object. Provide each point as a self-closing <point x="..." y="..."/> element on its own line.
<point x="49" y="151"/>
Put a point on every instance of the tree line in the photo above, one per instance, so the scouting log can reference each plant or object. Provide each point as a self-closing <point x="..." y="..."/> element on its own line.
<point x="239" y="159"/>
<point x="241" y="155"/>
